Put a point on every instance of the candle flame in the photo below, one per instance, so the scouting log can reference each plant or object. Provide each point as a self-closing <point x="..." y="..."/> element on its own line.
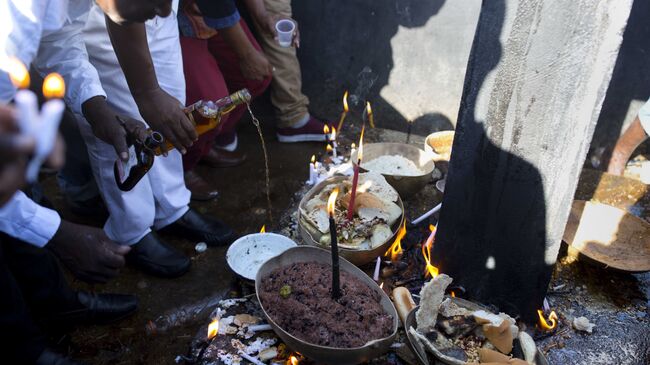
<point x="326" y="129"/>
<point x="381" y="286"/>
<point x="18" y="73"/>
<point x="53" y="86"/>
<point x="353" y="145"/>
<point x="453" y="294"/>
<point x="395" y="250"/>
<point x="331" y="202"/>
<point x="429" y="269"/>
<point x="333" y="133"/>
<point x="213" y="328"/>
<point x="329" y="148"/>
<point x="547" y="323"/>
<point x="263" y="230"/>
<point x="371" y="120"/>
<point x="360" y="152"/>
<point x="345" y="101"/>
<point x="293" y="360"/>
<point x="313" y="159"/>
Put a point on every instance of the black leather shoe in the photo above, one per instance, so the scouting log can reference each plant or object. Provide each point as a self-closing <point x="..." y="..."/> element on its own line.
<point x="52" y="358"/>
<point x="202" y="228"/>
<point x="157" y="258"/>
<point x="97" y="309"/>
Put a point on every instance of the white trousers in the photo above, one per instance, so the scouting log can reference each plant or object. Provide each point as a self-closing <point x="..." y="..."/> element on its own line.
<point x="161" y="197"/>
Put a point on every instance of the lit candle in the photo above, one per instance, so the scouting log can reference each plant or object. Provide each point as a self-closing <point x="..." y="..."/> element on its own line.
<point x="345" y="110"/>
<point x="355" y="178"/>
<point x="353" y="148"/>
<point x="326" y="132"/>
<point x="334" y="145"/>
<point x="334" y="246"/>
<point x="48" y="123"/>
<point x="312" y="170"/>
<point x="371" y="119"/>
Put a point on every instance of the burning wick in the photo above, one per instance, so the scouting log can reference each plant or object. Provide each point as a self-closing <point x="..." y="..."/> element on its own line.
<point x="345" y="110"/>
<point x="213" y="328"/>
<point x="355" y="178"/>
<point x="329" y="149"/>
<point x="368" y="111"/>
<point x="334" y="246"/>
<point x="53" y="86"/>
<point x="326" y="132"/>
<point x="430" y="270"/>
<point x="263" y="230"/>
<point x="17" y="73"/>
<point x="544" y="323"/>
<point x="453" y="294"/>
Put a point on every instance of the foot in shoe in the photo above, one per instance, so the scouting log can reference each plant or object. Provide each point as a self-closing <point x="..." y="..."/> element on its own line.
<point x="312" y="131"/>
<point x="157" y="258"/>
<point x="201" y="228"/>
<point x="219" y="158"/>
<point x="48" y="357"/>
<point x="94" y="308"/>
<point x="200" y="189"/>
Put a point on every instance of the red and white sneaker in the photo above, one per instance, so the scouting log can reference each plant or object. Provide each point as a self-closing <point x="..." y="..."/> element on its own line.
<point x="312" y="131"/>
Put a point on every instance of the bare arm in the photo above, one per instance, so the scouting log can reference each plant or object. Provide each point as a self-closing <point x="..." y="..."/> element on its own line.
<point x="633" y="136"/>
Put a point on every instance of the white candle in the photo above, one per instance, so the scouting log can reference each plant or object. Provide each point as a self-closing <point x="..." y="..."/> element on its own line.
<point x="48" y="125"/>
<point x="334" y="144"/>
<point x="375" y="275"/>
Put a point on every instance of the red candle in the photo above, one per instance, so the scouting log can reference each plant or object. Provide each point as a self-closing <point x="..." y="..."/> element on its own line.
<point x="355" y="178"/>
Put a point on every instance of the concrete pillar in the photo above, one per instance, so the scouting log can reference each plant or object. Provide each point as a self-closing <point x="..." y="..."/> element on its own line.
<point x="534" y="86"/>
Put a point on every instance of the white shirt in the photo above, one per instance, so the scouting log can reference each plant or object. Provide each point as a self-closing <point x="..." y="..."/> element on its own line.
<point x="47" y="34"/>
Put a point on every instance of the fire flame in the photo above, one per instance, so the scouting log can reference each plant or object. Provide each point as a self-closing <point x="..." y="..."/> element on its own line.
<point x="329" y="148"/>
<point x="333" y="134"/>
<point x="331" y="202"/>
<point x="360" y="152"/>
<point x="326" y="129"/>
<point x="263" y="230"/>
<point x="345" y="101"/>
<point x="213" y="328"/>
<point x="353" y="146"/>
<point x="453" y="294"/>
<point x="313" y="159"/>
<point x="53" y="86"/>
<point x="293" y="360"/>
<point x="549" y="324"/>
<point x="430" y="270"/>
<point x="381" y="286"/>
<point x="395" y="250"/>
<point x="18" y="73"/>
<point x="371" y="120"/>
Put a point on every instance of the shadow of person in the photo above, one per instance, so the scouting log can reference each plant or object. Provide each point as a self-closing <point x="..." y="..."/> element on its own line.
<point x="349" y="45"/>
<point x="492" y="230"/>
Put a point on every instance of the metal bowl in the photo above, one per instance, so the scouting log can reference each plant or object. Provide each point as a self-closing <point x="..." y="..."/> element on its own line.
<point x="357" y="257"/>
<point x="608" y="236"/>
<point x="420" y="352"/>
<point x="325" y="354"/>
<point x="405" y="185"/>
<point x="439" y="145"/>
<point x="248" y="253"/>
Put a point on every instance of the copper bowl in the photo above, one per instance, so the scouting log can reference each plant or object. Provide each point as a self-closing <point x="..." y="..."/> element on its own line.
<point x="406" y="186"/>
<point x="357" y="257"/>
<point x="326" y="354"/>
<point x="439" y="145"/>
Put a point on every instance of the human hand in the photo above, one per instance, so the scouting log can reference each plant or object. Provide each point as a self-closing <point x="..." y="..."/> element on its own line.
<point x="266" y="23"/>
<point x="255" y="66"/>
<point x="89" y="254"/>
<point x="164" y="114"/>
<point x="111" y="128"/>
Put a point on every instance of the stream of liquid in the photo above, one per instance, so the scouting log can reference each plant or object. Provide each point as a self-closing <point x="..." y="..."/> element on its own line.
<point x="256" y="122"/>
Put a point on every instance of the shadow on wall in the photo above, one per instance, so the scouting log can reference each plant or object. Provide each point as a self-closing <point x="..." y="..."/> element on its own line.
<point x="348" y="44"/>
<point x="630" y="82"/>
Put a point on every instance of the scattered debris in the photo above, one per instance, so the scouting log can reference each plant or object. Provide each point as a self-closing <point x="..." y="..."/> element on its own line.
<point x="583" y="324"/>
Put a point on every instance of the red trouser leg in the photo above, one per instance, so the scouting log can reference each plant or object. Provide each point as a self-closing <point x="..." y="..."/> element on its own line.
<point x="229" y="65"/>
<point x="203" y="81"/>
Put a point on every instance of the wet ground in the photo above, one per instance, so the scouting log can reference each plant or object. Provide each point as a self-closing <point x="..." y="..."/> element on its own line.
<point x="617" y="303"/>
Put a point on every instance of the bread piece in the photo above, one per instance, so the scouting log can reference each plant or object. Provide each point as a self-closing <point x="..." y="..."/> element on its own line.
<point x="500" y="337"/>
<point x="431" y="296"/>
<point x="486" y="355"/>
<point x="403" y="302"/>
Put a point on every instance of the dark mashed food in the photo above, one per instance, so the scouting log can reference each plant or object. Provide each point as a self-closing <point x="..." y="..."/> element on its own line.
<point x="298" y="299"/>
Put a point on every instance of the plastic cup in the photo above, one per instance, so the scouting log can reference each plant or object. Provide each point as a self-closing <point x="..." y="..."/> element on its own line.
<point x="285" y="29"/>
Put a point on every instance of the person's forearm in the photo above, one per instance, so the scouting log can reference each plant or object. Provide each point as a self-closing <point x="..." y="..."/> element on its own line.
<point x="237" y="40"/>
<point x="132" y="51"/>
<point x="632" y="137"/>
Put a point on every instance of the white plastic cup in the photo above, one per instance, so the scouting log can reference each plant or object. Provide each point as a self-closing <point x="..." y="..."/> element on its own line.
<point x="285" y="29"/>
